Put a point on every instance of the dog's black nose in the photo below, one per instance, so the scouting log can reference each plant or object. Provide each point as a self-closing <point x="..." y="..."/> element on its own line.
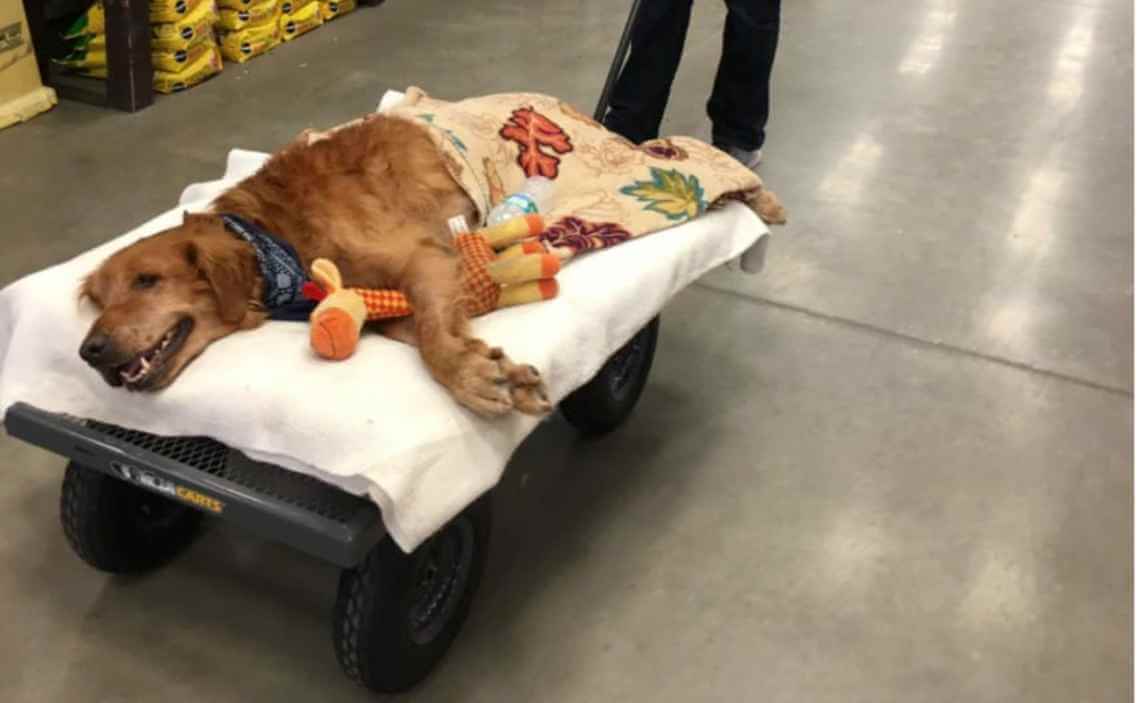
<point x="95" y="347"/>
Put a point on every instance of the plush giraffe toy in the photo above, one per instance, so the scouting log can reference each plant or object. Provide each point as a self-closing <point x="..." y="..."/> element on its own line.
<point x="499" y="269"/>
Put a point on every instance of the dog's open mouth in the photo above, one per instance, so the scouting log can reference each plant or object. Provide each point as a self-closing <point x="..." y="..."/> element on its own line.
<point x="147" y="366"/>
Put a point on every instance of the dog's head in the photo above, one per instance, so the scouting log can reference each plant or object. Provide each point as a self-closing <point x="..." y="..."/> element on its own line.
<point x="163" y="299"/>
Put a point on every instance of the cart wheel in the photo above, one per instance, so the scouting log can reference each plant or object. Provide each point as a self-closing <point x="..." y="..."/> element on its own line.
<point x="396" y="614"/>
<point x="120" y="528"/>
<point x="608" y="398"/>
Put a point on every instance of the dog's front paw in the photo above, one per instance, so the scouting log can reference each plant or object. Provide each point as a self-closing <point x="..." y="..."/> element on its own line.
<point x="488" y="379"/>
<point x="480" y="384"/>
<point x="528" y="391"/>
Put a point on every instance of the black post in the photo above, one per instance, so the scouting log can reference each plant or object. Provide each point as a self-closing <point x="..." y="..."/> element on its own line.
<point x="130" y="75"/>
<point x="619" y="60"/>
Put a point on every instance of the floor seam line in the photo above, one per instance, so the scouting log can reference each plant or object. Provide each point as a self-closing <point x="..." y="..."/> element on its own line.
<point x="919" y="341"/>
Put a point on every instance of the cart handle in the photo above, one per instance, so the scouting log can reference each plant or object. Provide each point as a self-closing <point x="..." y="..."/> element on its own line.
<point x="619" y="60"/>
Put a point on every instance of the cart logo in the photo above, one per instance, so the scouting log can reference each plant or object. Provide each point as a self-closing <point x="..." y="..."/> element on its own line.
<point x="144" y="478"/>
<point x="204" y="502"/>
<point x="158" y="484"/>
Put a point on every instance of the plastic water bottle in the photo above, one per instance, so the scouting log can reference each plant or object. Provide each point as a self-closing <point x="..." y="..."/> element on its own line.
<point x="533" y="198"/>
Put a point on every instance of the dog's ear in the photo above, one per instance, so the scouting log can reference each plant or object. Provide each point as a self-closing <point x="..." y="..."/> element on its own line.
<point x="223" y="271"/>
<point x="200" y="218"/>
<point x="83" y="292"/>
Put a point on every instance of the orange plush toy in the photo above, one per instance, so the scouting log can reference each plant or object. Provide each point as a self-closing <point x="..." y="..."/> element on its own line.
<point x="499" y="269"/>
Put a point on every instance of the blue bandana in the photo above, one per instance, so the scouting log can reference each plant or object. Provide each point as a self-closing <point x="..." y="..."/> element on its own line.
<point x="282" y="273"/>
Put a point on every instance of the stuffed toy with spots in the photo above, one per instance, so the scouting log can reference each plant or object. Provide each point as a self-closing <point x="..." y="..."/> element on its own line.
<point x="499" y="266"/>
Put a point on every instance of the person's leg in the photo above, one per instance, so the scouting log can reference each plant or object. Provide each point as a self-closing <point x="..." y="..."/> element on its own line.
<point x="642" y="90"/>
<point x="738" y="107"/>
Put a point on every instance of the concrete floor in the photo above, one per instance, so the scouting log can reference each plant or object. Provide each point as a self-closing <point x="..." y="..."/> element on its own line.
<point x="897" y="466"/>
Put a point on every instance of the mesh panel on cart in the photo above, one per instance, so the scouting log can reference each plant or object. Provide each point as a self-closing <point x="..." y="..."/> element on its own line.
<point x="218" y="460"/>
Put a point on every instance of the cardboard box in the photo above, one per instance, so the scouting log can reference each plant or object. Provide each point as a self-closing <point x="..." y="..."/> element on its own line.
<point x="22" y="94"/>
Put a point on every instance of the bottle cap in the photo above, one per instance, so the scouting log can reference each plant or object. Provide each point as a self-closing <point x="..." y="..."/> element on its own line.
<point x="458" y="225"/>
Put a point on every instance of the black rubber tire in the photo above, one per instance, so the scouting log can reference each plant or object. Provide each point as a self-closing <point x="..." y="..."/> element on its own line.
<point x="383" y="638"/>
<point x="605" y="402"/>
<point x="119" y="528"/>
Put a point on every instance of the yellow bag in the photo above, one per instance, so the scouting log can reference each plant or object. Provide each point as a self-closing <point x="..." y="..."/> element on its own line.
<point x="195" y="27"/>
<point x="93" y="72"/>
<point x="302" y="19"/>
<point x="92" y="42"/>
<point x="175" y="60"/>
<point x="232" y="20"/>
<point x="80" y="61"/>
<point x="94" y="21"/>
<point x="243" y="45"/>
<point x="294" y="8"/>
<point x="335" y="8"/>
<point x="208" y="64"/>
<point x="171" y="10"/>
<point x="85" y="54"/>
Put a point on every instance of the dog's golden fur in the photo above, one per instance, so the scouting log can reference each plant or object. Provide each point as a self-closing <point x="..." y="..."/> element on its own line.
<point x="374" y="198"/>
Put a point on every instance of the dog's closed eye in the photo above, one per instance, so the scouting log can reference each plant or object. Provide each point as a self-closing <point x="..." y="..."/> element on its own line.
<point x="146" y="280"/>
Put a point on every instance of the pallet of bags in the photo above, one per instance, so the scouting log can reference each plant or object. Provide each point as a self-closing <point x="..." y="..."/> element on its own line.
<point x="299" y="17"/>
<point x="248" y="28"/>
<point x="183" y="49"/>
<point x="89" y="56"/>
<point x="174" y="71"/>
<point x="175" y="24"/>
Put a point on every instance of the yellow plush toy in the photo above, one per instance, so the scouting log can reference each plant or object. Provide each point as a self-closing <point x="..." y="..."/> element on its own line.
<point x="499" y="269"/>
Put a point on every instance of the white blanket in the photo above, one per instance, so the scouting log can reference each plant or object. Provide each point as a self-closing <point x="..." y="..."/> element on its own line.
<point x="394" y="434"/>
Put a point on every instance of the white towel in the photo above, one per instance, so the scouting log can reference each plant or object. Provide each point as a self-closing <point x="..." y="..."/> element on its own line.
<point x="386" y="429"/>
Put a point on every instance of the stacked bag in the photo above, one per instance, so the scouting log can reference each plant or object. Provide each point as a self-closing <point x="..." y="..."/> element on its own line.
<point x="248" y="28"/>
<point x="88" y="38"/>
<point x="182" y="45"/>
<point x="299" y="16"/>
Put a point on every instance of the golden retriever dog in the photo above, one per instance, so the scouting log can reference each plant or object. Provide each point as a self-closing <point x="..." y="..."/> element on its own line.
<point x="373" y="197"/>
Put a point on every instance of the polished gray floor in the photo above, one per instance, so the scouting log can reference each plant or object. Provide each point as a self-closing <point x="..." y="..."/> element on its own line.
<point x="897" y="466"/>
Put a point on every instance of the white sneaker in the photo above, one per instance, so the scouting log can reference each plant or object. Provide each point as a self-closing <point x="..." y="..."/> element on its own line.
<point x="750" y="159"/>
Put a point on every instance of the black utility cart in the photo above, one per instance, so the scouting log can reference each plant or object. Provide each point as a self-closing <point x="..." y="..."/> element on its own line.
<point x="132" y="500"/>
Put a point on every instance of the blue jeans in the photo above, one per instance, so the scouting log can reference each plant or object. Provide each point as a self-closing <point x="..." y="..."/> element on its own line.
<point x="738" y="107"/>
